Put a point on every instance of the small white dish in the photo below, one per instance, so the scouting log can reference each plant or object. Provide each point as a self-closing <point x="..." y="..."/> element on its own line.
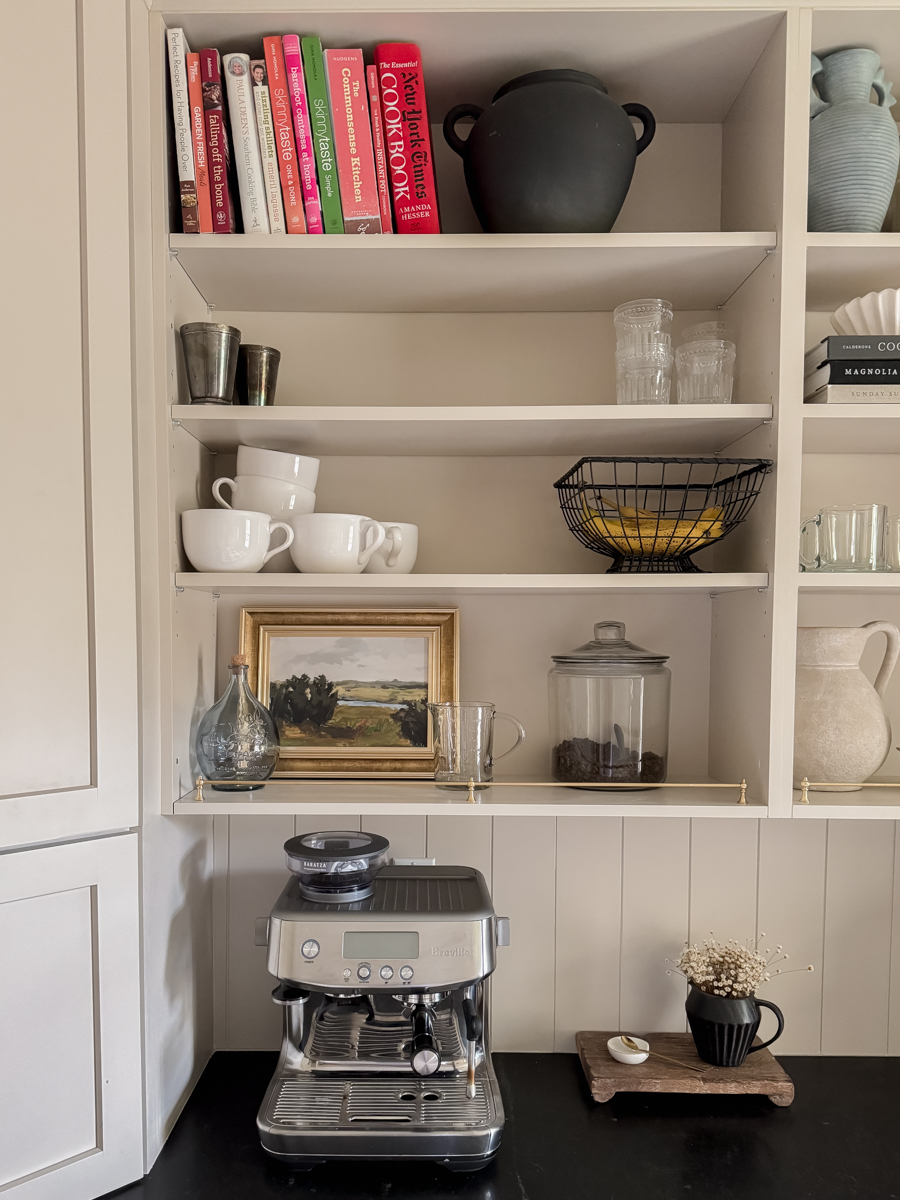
<point x="622" y="1054"/>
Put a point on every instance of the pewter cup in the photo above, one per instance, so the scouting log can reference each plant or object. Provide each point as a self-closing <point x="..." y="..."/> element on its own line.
<point x="210" y="356"/>
<point x="257" y="374"/>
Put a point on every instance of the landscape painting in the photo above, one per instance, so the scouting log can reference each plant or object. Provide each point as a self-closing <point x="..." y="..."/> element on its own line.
<point x="330" y="691"/>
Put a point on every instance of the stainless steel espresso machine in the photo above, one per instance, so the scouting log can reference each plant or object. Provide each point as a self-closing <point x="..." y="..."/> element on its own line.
<point x="383" y="977"/>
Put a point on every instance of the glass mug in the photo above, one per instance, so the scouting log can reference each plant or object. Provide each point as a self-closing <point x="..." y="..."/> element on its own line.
<point x="464" y="743"/>
<point x="849" y="537"/>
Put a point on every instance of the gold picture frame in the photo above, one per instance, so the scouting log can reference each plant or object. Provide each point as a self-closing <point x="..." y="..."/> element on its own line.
<point x="362" y="725"/>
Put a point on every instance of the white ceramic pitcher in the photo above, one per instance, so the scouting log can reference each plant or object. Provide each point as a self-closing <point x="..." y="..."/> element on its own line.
<point x="841" y="732"/>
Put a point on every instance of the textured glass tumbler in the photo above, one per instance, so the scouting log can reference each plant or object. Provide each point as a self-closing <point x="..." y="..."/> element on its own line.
<point x="705" y="371"/>
<point x="849" y="537"/>
<point x="464" y="743"/>
<point x="643" y="323"/>
<point x="644" y="376"/>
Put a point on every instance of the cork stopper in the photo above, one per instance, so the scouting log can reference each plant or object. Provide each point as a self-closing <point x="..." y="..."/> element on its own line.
<point x="239" y="660"/>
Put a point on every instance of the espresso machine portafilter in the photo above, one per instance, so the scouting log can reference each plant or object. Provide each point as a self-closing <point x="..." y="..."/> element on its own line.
<point x="383" y="978"/>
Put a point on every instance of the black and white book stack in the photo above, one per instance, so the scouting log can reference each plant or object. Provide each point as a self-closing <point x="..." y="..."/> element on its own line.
<point x="862" y="369"/>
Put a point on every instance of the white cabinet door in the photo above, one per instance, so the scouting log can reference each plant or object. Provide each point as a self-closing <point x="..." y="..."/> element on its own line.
<point x="70" y="1064"/>
<point x="68" y="696"/>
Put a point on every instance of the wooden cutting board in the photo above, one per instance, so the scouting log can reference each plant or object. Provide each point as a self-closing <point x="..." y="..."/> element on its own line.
<point x="760" y="1074"/>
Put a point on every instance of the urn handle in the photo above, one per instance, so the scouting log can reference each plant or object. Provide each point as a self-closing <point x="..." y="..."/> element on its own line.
<point x="780" y="1018"/>
<point x="454" y="141"/>
<point x="647" y="119"/>
<point x="890" y="655"/>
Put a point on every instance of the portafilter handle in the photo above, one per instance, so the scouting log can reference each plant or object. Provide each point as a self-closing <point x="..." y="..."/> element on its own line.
<point x="424" y="1055"/>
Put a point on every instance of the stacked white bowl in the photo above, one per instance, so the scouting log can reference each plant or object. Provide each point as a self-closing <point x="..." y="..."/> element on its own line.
<point x="280" y="484"/>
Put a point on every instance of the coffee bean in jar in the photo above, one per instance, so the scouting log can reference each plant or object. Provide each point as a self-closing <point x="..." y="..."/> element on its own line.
<point x="609" y="711"/>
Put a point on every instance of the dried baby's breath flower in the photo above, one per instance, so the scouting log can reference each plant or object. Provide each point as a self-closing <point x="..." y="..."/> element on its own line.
<point x="734" y="969"/>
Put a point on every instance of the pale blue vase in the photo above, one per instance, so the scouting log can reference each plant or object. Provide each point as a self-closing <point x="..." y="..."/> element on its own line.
<point x="854" y="148"/>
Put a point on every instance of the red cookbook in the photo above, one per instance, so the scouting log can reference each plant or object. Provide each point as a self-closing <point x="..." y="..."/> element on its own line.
<point x="407" y="137"/>
<point x="280" y="98"/>
<point x="216" y="142"/>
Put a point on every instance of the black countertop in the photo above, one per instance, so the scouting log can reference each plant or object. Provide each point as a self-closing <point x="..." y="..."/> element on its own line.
<point x="839" y="1140"/>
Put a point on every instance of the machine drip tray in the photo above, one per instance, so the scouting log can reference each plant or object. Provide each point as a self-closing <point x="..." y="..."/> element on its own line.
<point x="301" y="1100"/>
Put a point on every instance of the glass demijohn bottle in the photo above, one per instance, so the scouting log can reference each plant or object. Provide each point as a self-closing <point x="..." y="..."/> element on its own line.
<point x="237" y="741"/>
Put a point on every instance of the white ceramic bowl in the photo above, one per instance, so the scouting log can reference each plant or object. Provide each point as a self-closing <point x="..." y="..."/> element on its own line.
<point x="876" y="312"/>
<point x="622" y="1054"/>
<point x="276" y="464"/>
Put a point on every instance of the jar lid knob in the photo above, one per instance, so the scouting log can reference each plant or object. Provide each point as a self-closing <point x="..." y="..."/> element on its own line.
<point x="609" y="631"/>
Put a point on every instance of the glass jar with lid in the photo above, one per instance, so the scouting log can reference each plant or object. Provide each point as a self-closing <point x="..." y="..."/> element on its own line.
<point x="609" y="711"/>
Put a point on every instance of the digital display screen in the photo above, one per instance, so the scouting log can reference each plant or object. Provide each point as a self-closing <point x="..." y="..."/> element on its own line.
<point x="393" y="944"/>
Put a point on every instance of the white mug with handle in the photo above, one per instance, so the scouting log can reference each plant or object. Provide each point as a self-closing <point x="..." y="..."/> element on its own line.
<point x="256" y="493"/>
<point x="397" y="556"/>
<point x="229" y="539"/>
<point x="334" y="543"/>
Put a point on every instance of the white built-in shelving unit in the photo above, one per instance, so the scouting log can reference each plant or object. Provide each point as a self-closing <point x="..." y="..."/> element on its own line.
<point x="450" y="380"/>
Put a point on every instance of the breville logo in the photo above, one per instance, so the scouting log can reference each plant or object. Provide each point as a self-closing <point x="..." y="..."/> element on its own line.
<point x="459" y="952"/>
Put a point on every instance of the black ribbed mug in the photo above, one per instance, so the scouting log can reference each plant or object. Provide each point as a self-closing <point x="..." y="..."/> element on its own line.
<point x="724" y="1027"/>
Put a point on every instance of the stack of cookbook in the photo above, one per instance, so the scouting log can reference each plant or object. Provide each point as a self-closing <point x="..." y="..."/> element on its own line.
<point x="308" y="140"/>
<point x="853" y="369"/>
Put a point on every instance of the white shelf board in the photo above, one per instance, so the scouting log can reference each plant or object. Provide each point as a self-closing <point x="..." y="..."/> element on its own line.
<point x="475" y="431"/>
<point x="819" y="582"/>
<point x="868" y="804"/>
<point x="851" y="428"/>
<point x="467" y="272"/>
<point x="385" y="585"/>
<point x="425" y="799"/>
<point x="840" y="266"/>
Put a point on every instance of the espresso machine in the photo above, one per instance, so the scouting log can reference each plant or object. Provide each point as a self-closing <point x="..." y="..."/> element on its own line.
<point x="383" y="978"/>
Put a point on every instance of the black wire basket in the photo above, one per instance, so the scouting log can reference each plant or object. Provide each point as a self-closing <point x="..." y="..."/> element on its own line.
<point x="652" y="514"/>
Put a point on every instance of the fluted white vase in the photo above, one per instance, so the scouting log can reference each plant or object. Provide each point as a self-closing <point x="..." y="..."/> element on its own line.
<point x="854" y="148"/>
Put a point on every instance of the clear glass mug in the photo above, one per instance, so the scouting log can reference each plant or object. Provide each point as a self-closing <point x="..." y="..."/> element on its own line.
<point x="464" y="743"/>
<point x="851" y="537"/>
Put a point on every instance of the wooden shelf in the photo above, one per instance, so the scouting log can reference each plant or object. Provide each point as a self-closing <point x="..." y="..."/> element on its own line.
<point x="840" y="266"/>
<point x="475" y="431"/>
<point x="851" y="429"/>
<point x="351" y="797"/>
<point x="467" y="272"/>
<point x="376" y="585"/>
<point x="818" y="582"/>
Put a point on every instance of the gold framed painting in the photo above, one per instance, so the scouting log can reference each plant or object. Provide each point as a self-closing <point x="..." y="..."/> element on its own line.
<point x="348" y="688"/>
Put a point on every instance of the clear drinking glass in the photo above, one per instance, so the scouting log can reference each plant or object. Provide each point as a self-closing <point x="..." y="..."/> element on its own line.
<point x="643" y="323"/>
<point x="464" y="743"/>
<point x="850" y="537"/>
<point x="893" y="549"/>
<point x="702" y="331"/>
<point x="644" y="375"/>
<point x="705" y="371"/>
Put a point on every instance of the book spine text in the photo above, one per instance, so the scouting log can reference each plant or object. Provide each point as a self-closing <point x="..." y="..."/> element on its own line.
<point x="217" y="148"/>
<point x="246" y="143"/>
<point x="184" y="145"/>
<point x="381" y="173"/>
<point x="268" y="149"/>
<point x="198" y="135"/>
<point x="291" y="190"/>
<point x="407" y="138"/>
<point x="346" y="80"/>
<point x="323" y="138"/>
<point x="293" y="65"/>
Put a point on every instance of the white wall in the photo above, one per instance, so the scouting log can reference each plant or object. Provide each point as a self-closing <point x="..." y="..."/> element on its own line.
<point x="599" y="903"/>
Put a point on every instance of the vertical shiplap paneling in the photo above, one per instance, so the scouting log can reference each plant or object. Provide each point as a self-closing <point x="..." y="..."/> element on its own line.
<point x="894" y="1013"/>
<point x="724" y="856"/>
<point x="588" y="925"/>
<point x="221" y="989"/>
<point x="858" y="902"/>
<point x="792" y="912"/>
<point x="655" y="896"/>
<point x="524" y="856"/>
<point x="460" y="841"/>
<point x="256" y="875"/>
<point x="406" y="834"/>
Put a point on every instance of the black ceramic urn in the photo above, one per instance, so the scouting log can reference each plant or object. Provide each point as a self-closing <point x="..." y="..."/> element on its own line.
<point x="724" y="1028"/>
<point x="552" y="154"/>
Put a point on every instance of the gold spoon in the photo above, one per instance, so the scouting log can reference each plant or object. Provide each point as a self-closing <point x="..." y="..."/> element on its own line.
<point x="631" y="1044"/>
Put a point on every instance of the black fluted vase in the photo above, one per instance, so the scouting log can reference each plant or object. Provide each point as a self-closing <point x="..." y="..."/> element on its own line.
<point x="724" y="1028"/>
